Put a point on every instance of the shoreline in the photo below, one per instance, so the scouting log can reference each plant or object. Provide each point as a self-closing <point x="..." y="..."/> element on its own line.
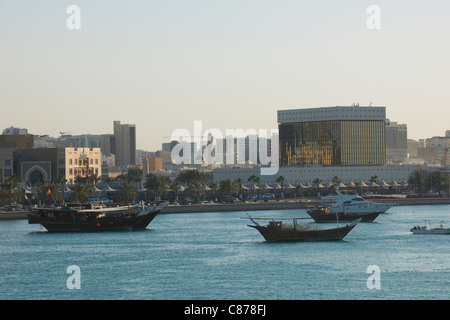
<point x="257" y="206"/>
<point x="13" y="215"/>
<point x="290" y="205"/>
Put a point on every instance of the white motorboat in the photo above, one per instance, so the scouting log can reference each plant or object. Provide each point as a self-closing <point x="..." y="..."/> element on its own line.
<point x="354" y="204"/>
<point x="347" y="208"/>
<point x="426" y="229"/>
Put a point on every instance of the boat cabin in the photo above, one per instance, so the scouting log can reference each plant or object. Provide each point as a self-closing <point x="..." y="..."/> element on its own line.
<point x="275" y="224"/>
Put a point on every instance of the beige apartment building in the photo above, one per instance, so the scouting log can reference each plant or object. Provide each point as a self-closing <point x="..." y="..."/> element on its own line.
<point x="82" y="162"/>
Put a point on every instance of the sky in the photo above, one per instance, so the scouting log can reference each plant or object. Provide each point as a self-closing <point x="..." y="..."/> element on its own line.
<point x="231" y="64"/>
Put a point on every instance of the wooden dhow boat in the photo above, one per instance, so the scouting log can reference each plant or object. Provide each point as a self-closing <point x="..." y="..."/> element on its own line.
<point x="277" y="230"/>
<point x="94" y="218"/>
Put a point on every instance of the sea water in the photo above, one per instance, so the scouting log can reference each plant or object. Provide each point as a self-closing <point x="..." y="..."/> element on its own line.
<point x="217" y="256"/>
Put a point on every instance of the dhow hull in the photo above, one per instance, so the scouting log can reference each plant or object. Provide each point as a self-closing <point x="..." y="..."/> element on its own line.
<point x="292" y="234"/>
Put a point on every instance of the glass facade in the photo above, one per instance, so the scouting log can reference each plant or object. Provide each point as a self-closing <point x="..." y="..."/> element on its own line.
<point x="333" y="143"/>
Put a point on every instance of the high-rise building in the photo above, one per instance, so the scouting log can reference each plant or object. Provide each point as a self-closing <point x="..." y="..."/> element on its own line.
<point x="396" y="141"/>
<point x="333" y="136"/>
<point x="108" y="144"/>
<point x="125" y="144"/>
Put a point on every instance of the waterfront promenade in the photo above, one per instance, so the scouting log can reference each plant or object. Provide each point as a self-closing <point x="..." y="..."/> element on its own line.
<point x="290" y="204"/>
<point x="286" y="204"/>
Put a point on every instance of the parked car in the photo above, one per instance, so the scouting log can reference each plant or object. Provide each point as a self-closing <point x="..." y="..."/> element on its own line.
<point x="95" y="201"/>
<point x="99" y="201"/>
<point x="268" y="196"/>
<point x="252" y="197"/>
<point x="229" y="199"/>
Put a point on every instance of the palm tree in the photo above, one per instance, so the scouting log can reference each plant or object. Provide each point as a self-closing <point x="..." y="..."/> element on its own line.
<point x="83" y="190"/>
<point x="336" y="181"/>
<point x="191" y="176"/>
<point x="62" y="180"/>
<point x="127" y="191"/>
<point x="122" y="177"/>
<point x="174" y="187"/>
<point x="417" y="180"/>
<point x="135" y="174"/>
<point x="239" y="182"/>
<point x="196" y="189"/>
<point x="49" y="193"/>
<point x="156" y="183"/>
<point x="201" y="177"/>
<point x="9" y="191"/>
<point x="374" y="182"/>
<point x="254" y="179"/>
<point x="299" y="188"/>
<point x="95" y="178"/>
<point x="280" y="180"/>
<point x="438" y="181"/>
<point x="316" y="183"/>
<point x="214" y="188"/>
<point x="228" y="186"/>
<point x="355" y="187"/>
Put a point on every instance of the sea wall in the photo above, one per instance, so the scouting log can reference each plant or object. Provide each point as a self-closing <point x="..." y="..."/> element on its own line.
<point x="252" y="206"/>
<point x="288" y="205"/>
<point x="255" y="206"/>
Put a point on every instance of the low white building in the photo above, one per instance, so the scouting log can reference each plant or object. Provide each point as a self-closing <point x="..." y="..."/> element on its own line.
<point x="307" y="174"/>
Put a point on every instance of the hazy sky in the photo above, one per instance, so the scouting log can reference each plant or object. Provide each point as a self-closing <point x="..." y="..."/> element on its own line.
<point x="230" y="63"/>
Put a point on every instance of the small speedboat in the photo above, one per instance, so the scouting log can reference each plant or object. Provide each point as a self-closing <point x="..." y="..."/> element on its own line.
<point x="426" y="229"/>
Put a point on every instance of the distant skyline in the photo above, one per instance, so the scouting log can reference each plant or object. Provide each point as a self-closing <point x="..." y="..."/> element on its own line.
<point x="162" y="65"/>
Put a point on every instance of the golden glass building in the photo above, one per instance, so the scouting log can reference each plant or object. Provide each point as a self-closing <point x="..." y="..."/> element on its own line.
<point x="333" y="136"/>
